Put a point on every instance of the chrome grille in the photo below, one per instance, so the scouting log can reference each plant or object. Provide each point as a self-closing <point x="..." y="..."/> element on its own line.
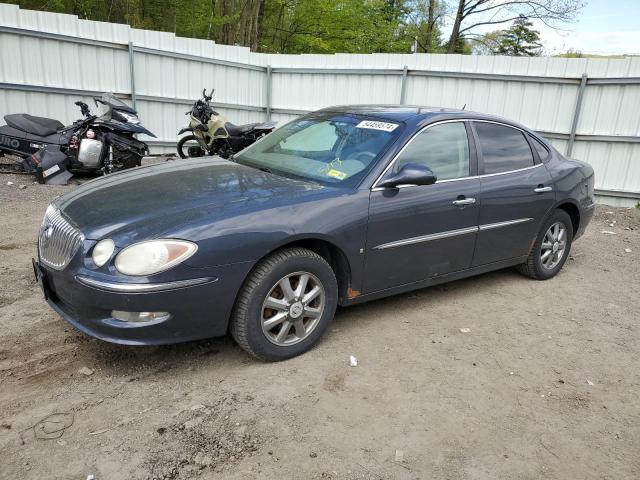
<point x="58" y="240"/>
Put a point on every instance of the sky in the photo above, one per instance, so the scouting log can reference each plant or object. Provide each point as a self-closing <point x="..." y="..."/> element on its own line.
<point x="602" y="27"/>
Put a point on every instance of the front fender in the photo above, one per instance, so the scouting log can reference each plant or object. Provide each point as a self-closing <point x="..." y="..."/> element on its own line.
<point x="184" y="130"/>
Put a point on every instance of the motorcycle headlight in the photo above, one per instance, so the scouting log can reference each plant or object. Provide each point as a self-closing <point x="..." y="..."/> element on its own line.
<point x="153" y="256"/>
<point x="102" y="251"/>
<point x="129" y="117"/>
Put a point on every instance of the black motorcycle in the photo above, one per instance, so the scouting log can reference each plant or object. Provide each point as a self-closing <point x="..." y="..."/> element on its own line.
<point x="212" y="134"/>
<point x="99" y="144"/>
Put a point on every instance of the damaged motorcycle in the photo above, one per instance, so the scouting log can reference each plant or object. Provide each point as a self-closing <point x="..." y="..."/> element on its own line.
<point x="95" y="144"/>
<point x="212" y="134"/>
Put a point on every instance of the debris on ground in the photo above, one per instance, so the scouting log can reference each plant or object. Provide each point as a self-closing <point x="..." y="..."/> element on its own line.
<point x="465" y="330"/>
<point x="608" y="232"/>
<point x="85" y="371"/>
<point x="353" y="361"/>
<point x="50" y="427"/>
<point x="399" y="456"/>
<point x="590" y="383"/>
<point x="627" y="250"/>
<point x="9" y="183"/>
<point x="213" y="442"/>
<point x="313" y="454"/>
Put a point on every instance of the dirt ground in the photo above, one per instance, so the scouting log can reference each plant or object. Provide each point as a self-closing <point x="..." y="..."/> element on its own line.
<point x="546" y="384"/>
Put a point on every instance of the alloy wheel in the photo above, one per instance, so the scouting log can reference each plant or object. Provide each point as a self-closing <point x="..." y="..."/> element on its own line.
<point x="553" y="245"/>
<point x="293" y="308"/>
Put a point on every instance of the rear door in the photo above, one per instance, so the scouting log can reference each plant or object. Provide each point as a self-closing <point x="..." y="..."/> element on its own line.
<point x="515" y="193"/>
<point x="417" y="232"/>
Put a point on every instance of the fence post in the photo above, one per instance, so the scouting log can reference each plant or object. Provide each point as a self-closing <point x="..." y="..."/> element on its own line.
<point x="576" y="115"/>
<point x="403" y="86"/>
<point x="132" y="76"/>
<point x="268" y="92"/>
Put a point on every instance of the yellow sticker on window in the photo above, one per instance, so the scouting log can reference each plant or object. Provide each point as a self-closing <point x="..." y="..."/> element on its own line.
<point x="337" y="174"/>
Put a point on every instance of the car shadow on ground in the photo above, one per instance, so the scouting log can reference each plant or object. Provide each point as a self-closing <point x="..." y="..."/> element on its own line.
<point x="223" y="351"/>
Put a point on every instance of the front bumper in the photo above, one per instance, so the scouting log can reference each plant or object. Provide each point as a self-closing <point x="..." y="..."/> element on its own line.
<point x="198" y="310"/>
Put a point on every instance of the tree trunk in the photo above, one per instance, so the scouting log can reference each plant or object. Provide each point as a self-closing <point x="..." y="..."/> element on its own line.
<point x="430" y="24"/>
<point x="255" y="44"/>
<point x="455" y="33"/>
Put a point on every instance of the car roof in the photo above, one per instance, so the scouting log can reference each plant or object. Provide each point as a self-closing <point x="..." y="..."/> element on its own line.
<point x="415" y="113"/>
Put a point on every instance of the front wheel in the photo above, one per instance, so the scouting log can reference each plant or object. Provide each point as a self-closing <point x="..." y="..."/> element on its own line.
<point x="189" y="151"/>
<point x="551" y="247"/>
<point x="285" y="305"/>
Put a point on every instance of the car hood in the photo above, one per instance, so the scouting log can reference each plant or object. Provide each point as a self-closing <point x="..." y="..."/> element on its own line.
<point x="149" y="202"/>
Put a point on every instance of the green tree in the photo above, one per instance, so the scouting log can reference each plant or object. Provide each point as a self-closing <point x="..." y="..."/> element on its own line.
<point x="520" y="40"/>
<point x="320" y="26"/>
<point x="424" y="24"/>
<point x="470" y="14"/>
<point x="486" y="44"/>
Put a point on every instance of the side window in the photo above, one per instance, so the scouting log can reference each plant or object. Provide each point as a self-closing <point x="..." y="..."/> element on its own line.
<point x="443" y="148"/>
<point x="503" y="148"/>
<point x="543" y="153"/>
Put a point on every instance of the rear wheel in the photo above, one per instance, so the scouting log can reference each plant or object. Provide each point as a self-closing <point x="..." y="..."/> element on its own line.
<point x="551" y="247"/>
<point x="285" y="305"/>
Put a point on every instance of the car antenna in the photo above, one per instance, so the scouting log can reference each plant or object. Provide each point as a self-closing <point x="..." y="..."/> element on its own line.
<point x="464" y="106"/>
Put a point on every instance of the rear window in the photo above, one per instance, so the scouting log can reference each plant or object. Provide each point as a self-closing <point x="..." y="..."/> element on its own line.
<point x="503" y="148"/>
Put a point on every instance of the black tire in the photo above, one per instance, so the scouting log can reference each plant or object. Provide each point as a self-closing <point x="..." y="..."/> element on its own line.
<point x="246" y="319"/>
<point x="182" y="141"/>
<point x="534" y="267"/>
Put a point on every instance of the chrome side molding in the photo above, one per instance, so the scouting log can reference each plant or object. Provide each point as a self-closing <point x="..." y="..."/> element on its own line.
<point x="142" y="287"/>
<point x="451" y="233"/>
<point x="427" y="238"/>
<point x="508" y="223"/>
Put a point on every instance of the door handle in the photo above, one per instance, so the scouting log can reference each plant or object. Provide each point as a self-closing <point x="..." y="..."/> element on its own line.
<point x="464" y="201"/>
<point x="541" y="189"/>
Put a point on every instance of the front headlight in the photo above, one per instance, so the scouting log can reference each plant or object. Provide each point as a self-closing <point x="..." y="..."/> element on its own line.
<point x="153" y="256"/>
<point x="129" y="117"/>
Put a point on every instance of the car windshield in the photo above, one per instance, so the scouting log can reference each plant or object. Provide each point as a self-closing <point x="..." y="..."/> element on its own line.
<point x="333" y="149"/>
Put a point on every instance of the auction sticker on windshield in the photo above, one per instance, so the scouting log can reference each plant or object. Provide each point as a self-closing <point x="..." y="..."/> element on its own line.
<point x="384" y="126"/>
<point x="337" y="174"/>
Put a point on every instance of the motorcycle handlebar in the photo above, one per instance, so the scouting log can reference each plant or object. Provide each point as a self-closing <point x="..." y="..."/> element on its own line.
<point x="84" y="108"/>
<point x="207" y="97"/>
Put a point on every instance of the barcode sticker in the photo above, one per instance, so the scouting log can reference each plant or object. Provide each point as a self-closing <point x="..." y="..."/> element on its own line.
<point x="384" y="126"/>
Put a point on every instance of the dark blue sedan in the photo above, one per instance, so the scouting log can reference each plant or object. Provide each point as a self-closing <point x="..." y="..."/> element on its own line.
<point x="341" y="206"/>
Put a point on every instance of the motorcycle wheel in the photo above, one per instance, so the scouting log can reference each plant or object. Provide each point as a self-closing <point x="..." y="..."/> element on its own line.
<point x="189" y="152"/>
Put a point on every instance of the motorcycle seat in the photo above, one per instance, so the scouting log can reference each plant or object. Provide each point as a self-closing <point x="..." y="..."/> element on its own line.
<point x="39" y="126"/>
<point x="235" y="130"/>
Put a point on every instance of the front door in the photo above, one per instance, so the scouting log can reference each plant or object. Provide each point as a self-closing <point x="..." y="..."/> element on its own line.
<point x="417" y="232"/>
<point x="516" y="193"/>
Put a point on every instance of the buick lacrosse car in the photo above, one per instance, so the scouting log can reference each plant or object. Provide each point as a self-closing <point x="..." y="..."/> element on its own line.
<point x="340" y="206"/>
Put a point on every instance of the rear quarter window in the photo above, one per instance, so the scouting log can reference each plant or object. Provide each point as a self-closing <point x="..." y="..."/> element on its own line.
<point x="503" y="148"/>
<point x="543" y="152"/>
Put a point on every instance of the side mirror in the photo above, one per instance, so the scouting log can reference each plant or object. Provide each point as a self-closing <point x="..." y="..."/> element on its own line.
<point x="409" y="174"/>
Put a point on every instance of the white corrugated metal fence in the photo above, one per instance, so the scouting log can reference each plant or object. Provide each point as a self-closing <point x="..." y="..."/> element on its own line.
<point x="589" y="108"/>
